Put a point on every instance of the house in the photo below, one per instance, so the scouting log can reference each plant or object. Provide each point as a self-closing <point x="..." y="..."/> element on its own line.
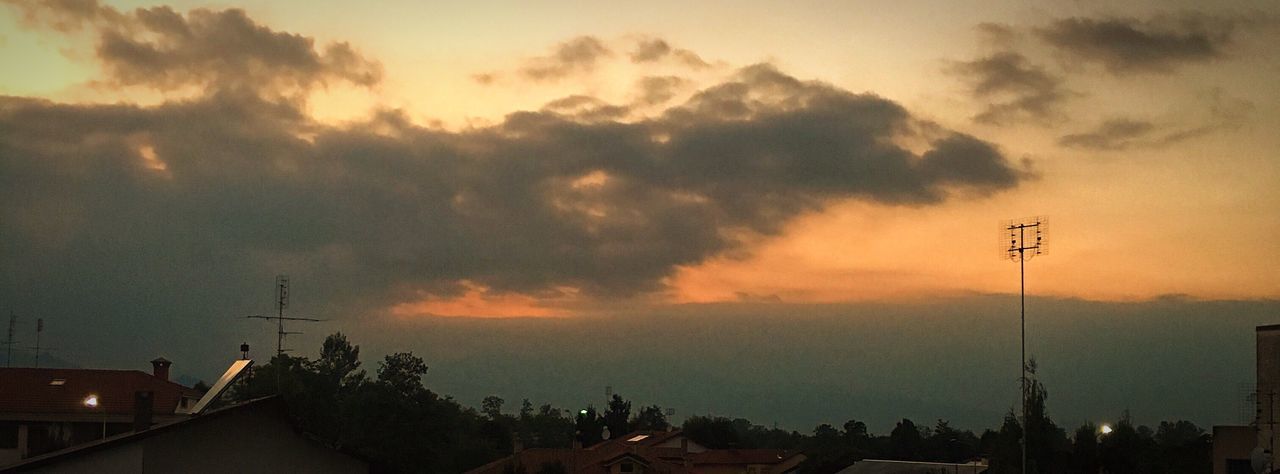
<point x="44" y="410"/>
<point x="645" y="452"/>
<point x="249" y="437"/>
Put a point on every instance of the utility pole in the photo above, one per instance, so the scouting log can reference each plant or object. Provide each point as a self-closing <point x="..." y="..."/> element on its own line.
<point x="282" y="302"/>
<point x="9" y="342"/>
<point x="39" y="329"/>
<point x="1020" y="250"/>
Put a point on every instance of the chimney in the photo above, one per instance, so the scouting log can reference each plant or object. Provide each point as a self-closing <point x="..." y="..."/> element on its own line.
<point x="160" y="368"/>
<point x="143" y="403"/>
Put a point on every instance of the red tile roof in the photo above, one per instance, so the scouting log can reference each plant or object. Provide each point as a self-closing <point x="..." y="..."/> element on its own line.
<point x="28" y="390"/>
<point x="597" y="458"/>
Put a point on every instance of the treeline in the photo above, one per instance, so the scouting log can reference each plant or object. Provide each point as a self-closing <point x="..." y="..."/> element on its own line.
<point x="394" y="421"/>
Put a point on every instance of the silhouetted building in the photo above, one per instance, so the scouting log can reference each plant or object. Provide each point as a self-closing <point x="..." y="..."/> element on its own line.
<point x="44" y="410"/>
<point x="1235" y="447"/>
<point x="250" y="437"/>
<point x="646" y="452"/>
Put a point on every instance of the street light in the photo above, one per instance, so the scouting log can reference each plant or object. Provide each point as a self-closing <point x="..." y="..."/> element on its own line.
<point x="1105" y="429"/>
<point x="91" y="401"/>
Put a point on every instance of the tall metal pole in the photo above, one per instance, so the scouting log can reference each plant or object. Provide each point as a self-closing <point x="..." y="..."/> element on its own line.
<point x="1022" y="277"/>
<point x="1016" y="233"/>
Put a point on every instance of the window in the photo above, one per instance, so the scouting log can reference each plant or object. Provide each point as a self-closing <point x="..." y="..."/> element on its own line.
<point x="57" y="382"/>
<point x="8" y="435"/>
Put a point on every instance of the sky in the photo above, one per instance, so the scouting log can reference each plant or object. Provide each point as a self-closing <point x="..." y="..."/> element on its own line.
<point x="779" y="211"/>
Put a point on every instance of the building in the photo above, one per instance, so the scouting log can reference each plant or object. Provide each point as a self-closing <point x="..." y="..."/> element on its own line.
<point x="249" y="437"/>
<point x="45" y="410"/>
<point x="646" y="452"/>
<point x="882" y="466"/>
<point x="1237" y="448"/>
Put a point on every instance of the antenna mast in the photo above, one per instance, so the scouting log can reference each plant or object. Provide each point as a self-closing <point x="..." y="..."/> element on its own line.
<point x="39" y="329"/>
<point x="9" y="342"/>
<point x="1020" y="249"/>
<point x="282" y="302"/>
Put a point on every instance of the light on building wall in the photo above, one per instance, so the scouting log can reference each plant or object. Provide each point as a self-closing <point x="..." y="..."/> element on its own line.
<point x="91" y="401"/>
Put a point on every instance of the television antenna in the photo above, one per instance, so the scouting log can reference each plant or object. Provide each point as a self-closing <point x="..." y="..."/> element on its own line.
<point x="37" y="349"/>
<point x="282" y="302"/>
<point x="1026" y="238"/>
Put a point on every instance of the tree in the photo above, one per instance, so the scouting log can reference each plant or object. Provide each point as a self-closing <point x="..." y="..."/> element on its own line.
<point x="338" y="358"/>
<point x="617" y="416"/>
<point x="402" y="372"/>
<point x="1084" y="449"/>
<point x="491" y="406"/>
<point x="650" y="418"/>
<point x="905" y="442"/>
<point x="714" y="433"/>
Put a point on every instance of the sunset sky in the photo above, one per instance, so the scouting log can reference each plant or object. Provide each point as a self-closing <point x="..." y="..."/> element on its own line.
<point x="416" y="167"/>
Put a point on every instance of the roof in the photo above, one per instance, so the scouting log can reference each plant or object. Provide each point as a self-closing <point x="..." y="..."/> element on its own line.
<point x="663" y="460"/>
<point x="38" y="391"/>
<point x="268" y="402"/>
<point x="741" y="456"/>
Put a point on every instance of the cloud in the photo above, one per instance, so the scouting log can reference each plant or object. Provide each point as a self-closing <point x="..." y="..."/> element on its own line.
<point x="1125" y="45"/>
<point x="162" y="49"/>
<point x="1123" y="133"/>
<point x="1014" y="88"/>
<point x="1113" y="134"/>
<point x="578" y="55"/>
<point x="231" y="186"/>
<point x="657" y="90"/>
<point x="650" y="50"/>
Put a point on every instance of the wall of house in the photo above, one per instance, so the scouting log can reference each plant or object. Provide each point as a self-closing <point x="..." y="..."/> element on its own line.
<point x="1232" y="444"/>
<point x="245" y="441"/>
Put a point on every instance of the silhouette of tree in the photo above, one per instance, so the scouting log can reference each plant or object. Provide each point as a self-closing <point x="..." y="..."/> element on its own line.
<point x="650" y="418"/>
<point x="715" y="433"/>
<point x="617" y="416"/>
<point x="403" y="372"/>
<point x="491" y="406"/>
<point x="905" y="442"/>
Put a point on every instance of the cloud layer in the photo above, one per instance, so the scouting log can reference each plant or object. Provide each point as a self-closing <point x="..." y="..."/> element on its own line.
<point x="1127" y="45"/>
<point x="128" y="203"/>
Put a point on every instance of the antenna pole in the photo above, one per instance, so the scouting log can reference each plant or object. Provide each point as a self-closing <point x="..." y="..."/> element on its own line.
<point x="13" y="323"/>
<point x="1022" y="316"/>
<point x="39" y="329"/>
<point x="282" y="302"/>
<point x="1021" y="250"/>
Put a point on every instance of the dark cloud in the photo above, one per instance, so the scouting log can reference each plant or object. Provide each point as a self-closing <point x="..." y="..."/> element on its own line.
<point x="1128" y="45"/>
<point x="790" y="363"/>
<point x="232" y="186"/>
<point x="586" y="108"/>
<point x="576" y="56"/>
<point x="997" y="34"/>
<point x="1122" y="133"/>
<point x="1014" y="88"/>
<point x="657" y="90"/>
<point x="163" y="49"/>
<point x="1114" y="134"/>
<point x="655" y="49"/>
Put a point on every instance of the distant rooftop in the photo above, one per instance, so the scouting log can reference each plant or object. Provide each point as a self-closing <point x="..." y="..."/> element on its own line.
<point x="61" y="391"/>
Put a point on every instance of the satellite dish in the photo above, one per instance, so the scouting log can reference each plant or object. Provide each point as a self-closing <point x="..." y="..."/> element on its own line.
<point x="1259" y="459"/>
<point x="604" y="434"/>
